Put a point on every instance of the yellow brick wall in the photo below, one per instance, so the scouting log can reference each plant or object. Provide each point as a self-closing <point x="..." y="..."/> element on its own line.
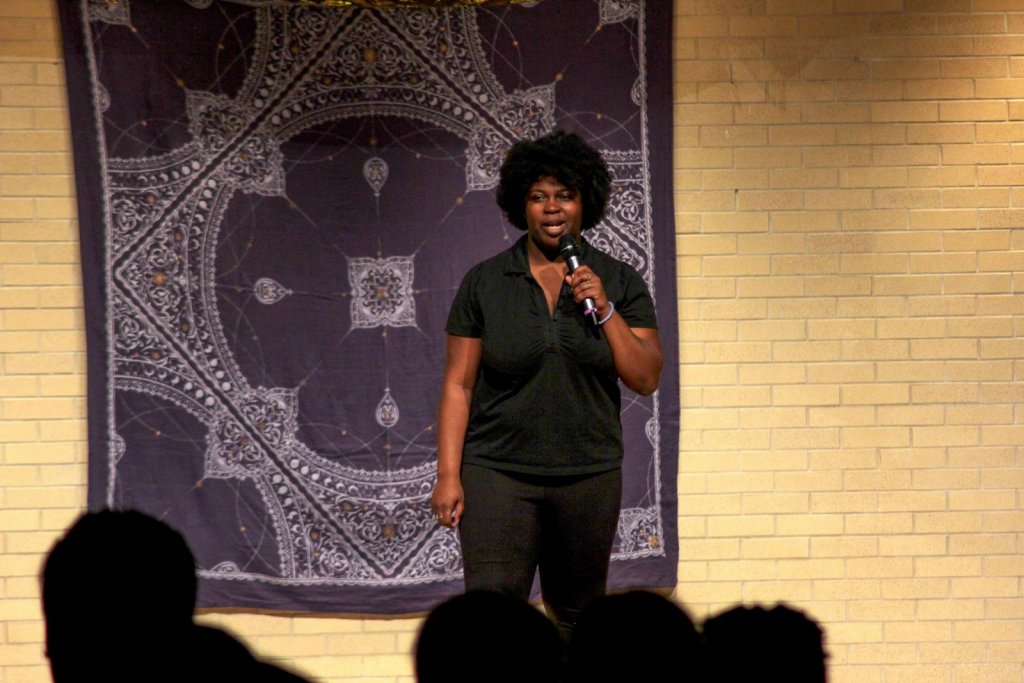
<point x="850" y="252"/>
<point x="850" y="248"/>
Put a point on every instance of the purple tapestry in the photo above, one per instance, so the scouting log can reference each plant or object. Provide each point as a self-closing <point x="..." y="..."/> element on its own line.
<point x="277" y="202"/>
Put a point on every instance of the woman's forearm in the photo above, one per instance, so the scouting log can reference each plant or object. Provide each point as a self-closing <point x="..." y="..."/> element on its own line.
<point x="452" y="420"/>
<point x="636" y="353"/>
<point x="462" y="362"/>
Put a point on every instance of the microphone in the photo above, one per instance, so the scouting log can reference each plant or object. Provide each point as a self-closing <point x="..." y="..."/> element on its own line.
<point x="567" y="248"/>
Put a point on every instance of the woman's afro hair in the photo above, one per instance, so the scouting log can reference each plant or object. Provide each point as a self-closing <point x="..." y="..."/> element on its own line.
<point x="564" y="157"/>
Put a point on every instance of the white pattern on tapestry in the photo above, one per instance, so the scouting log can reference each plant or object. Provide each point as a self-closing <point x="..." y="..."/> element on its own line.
<point x="382" y="292"/>
<point x="375" y="172"/>
<point x="268" y="291"/>
<point x="387" y="411"/>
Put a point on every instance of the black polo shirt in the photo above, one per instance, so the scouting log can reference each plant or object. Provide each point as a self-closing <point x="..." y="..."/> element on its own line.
<point x="546" y="399"/>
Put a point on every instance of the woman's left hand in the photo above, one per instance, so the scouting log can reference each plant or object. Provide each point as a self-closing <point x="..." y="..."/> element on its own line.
<point x="585" y="284"/>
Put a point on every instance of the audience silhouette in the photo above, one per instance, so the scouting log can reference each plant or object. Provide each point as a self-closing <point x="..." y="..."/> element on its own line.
<point x="634" y="636"/>
<point x="484" y="636"/>
<point x="119" y="592"/>
<point x="754" y="643"/>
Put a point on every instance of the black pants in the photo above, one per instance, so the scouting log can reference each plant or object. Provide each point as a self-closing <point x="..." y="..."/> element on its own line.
<point x="515" y="524"/>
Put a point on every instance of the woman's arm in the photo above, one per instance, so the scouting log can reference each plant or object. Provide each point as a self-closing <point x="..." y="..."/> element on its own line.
<point x="462" y="362"/>
<point x="636" y="351"/>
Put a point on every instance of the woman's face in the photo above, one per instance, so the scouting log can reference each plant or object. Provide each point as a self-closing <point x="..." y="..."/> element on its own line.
<point x="552" y="210"/>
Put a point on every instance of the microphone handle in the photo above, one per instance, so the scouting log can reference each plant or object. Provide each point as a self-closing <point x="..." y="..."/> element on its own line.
<point x="589" y="307"/>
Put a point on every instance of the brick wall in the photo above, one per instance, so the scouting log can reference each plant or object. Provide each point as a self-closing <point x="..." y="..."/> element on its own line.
<point x="850" y="252"/>
<point x="42" y="364"/>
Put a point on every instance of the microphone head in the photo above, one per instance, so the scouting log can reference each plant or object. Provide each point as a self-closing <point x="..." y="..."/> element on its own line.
<point x="567" y="245"/>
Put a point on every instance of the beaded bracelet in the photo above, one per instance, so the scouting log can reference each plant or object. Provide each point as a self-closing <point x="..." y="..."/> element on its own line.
<point x="611" y="310"/>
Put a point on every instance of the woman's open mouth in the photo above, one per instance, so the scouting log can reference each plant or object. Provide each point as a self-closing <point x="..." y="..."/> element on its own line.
<point x="554" y="229"/>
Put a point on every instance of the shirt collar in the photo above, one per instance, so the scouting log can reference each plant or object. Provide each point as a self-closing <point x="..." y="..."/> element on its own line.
<point x="518" y="262"/>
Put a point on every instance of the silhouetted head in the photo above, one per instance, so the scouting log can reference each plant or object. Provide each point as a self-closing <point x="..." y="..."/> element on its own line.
<point x="118" y="586"/>
<point x="754" y="643"/>
<point x="484" y="636"/>
<point x="634" y="636"/>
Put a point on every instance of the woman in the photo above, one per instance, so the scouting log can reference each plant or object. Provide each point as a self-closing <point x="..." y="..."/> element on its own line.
<point x="529" y="437"/>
